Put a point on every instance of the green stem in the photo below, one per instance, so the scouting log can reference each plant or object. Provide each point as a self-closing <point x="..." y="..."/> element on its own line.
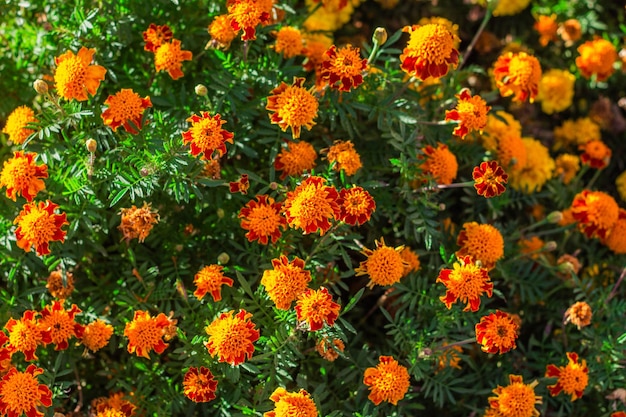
<point x="472" y="44"/>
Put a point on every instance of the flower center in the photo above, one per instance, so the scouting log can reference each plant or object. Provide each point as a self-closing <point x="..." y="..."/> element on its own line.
<point x="296" y="106"/>
<point x="125" y="105"/>
<point x="264" y="220"/>
<point x="70" y="76"/>
<point x="517" y="400"/>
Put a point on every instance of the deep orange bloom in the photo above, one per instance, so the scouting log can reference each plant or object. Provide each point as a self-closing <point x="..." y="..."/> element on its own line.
<point x="297" y="158"/>
<point x="262" y="219"/>
<point x="440" y="163"/>
<point x="292" y="404"/>
<point x="344" y="155"/>
<point x="316" y="307"/>
<point x="572" y="378"/>
<point x="246" y="15"/>
<point x="618" y="414"/>
<point x="136" y="223"/>
<point x="206" y="136"/>
<point x="38" y="226"/>
<point x="58" y="325"/>
<point x="145" y="333"/>
<point x="389" y="381"/>
<point x="497" y="332"/>
<point x="616" y="241"/>
<point x="430" y="51"/>
<point x="210" y="280"/>
<point x="113" y="406"/>
<point x="169" y="57"/>
<point x="482" y="242"/>
<point x="357" y="206"/>
<point x="547" y="27"/>
<point x="156" y="36"/>
<point x="21" y="393"/>
<point x="289" y="42"/>
<point x="597" y="57"/>
<point x="58" y="287"/>
<point x="517" y="74"/>
<point x="343" y="68"/>
<point x="516" y="399"/>
<point x="579" y="314"/>
<point x="316" y="45"/>
<point x="232" y="338"/>
<point x="570" y="31"/>
<point x="21" y="175"/>
<point x="596" y="213"/>
<point x="241" y="185"/>
<point x="24" y="335"/>
<point x="221" y="31"/>
<point x="16" y="124"/>
<point x="465" y="282"/>
<point x="411" y="259"/>
<point x="286" y="281"/>
<point x="97" y="335"/>
<point x="311" y="206"/>
<point x="199" y="385"/>
<point x="292" y="106"/>
<point x="125" y="108"/>
<point x="595" y="154"/>
<point x="470" y="112"/>
<point x="384" y="265"/>
<point x="489" y="179"/>
<point x="75" y="77"/>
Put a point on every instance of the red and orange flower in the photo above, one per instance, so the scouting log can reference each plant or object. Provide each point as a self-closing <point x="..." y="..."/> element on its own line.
<point x="489" y="179"/>
<point x="595" y="154"/>
<point x="430" y="51"/>
<point x="21" y="175"/>
<point x="597" y="58"/>
<point x="288" y="404"/>
<point x="75" y="77"/>
<point x="518" y="74"/>
<point x="58" y="325"/>
<point x="286" y="281"/>
<point x="466" y="282"/>
<point x="572" y="378"/>
<point x="21" y="393"/>
<point x="388" y="381"/>
<point x="343" y="68"/>
<point x="125" y="108"/>
<point x="246" y="15"/>
<point x="497" y="332"/>
<point x="156" y="36"/>
<point x="311" y="206"/>
<point x="596" y="213"/>
<point x="24" y="335"/>
<point x="516" y="399"/>
<point x="145" y="333"/>
<point x="169" y="57"/>
<point x="231" y="338"/>
<point x="199" y="385"/>
<point x="317" y="307"/>
<point x="262" y="219"/>
<point x="357" y="206"/>
<point x="470" y="112"/>
<point x="206" y="136"/>
<point x="210" y="280"/>
<point x="38" y="226"/>
<point x="293" y="106"/>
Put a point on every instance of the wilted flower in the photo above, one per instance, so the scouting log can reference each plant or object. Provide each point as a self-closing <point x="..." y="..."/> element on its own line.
<point x="136" y="223"/>
<point x="579" y="314"/>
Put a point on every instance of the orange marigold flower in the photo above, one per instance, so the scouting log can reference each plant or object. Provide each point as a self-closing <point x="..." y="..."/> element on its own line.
<point x="113" y="406"/>
<point x="465" y="282"/>
<point x="315" y="47"/>
<point x="21" y="175"/>
<point x="262" y="219"/>
<point x="210" y="280"/>
<point x="482" y="242"/>
<point x="500" y="125"/>
<point x="389" y="381"/>
<point x="58" y="325"/>
<point x="570" y="30"/>
<point x="595" y="154"/>
<point x="289" y="42"/>
<point x="145" y="333"/>
<point x="616" y="241"/>
<point x="572" y="378"/>
<point x="384" y="264"/>
<point x="169" y="57"/>
<point x="137" y="223"/>
<point x="292" y="106"/>
<point x="596" y="58"/>
<point x="516" y="399"/>
<point x="24" y="335"/>
<point x="97" y="335"/>
<point x="343" y="68"/>
<point x="199" y="385"/>
<point x="316" y="307"/>
<point x="74" y="77"/>
<point x="517" y="74"/>
<point x="470" y="112"/>
<point x="246" y="15"/>
<point x="411" y="259"/>
<point x="16" y="124"/>
<point x="206" y="136"/>
<point x="430" y="51"/>
<point x="497" y="332"/>
<point x="440" y="163"/>
<point x="567" y="166"/>
<point x="156" y="36"/>
<point x="221" y="31"/>
<point x="579" y="314"/>
<point x="21" y="393"/>
<point x="357" y="206"/>
<point x="618" y="414"/>
<point x="286" y="281"/>
<point x="125" y="108"/>
<point x="330" y="350"/>
<point x="546" y="26"/>
<point x="344" y="156"/>
<point x="297" y="158"/>
<point x="288" y="404"/>
<point x="241" y="185"/>
<point x="38" y="226"/>
<point x="58" y="286"/>
<point x="596" y="213"/>
<point x="232" y="338"/>
<point x="311" y="206"/>
<point x="489" y="179"/>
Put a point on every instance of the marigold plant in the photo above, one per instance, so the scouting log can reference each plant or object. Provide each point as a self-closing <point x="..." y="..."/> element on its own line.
<point x="572" y="379"/>
<point x="388" y="381"/>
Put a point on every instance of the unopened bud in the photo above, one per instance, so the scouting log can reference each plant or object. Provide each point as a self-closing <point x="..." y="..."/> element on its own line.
<point x="274" y="185"/>
<point x="201" y="90"/>
<point x="220" y="213"/>
<point x="379" y="36"/>
<point x="550" y="246"/>
<point x="223" y="258"/>
<point x="40" y="86"/>
<point x="144" y="172"/>
<point x="555" y="217"/>
<point x="566" y="267"/>
<point x="91" y="145"/>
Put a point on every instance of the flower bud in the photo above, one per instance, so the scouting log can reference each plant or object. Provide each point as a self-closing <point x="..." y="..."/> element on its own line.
<point x="220" y="213"/>
<point x="555" y="217"/>
<point x="201" y="90"/>
<point x="550" y="246"/>
<point x="40" y="86"/>
<point x="91" y="145"/>
<point x="379" y="36"/>
<point x="223" y="258"/>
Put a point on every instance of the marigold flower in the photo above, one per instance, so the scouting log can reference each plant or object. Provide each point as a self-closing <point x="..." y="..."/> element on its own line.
<point x="316" y="307"/>
<point x="516" y="399"/>
<point x="470" y="112"/>
<point x="221" y="31"/>
<point x="357" y="206"/>
<point x="595" y="154"/>
<point x="75" y="77"/>
<point x="38" y="226"/>
<point x="24" y="335"/>
<point x="579" y="314"/>
<point x="16" y="124"/>
<point x="262" y="219"/>
<point x="56" y="285"/>
<point x="384" y="264"/>
<point x="517" y="74"/>
<point x="556" y="90"/>
<point x="156" y="36"/>
<point x="440" y="163"/>
<point x="567" y="266"/>
<point x="567" y="166"/>
<point x="22" y="176"/>
<point x="466" y="282"/>
<point x="296" y="159"/>
<point x="311" y="206"/>
<point x="58" y="325"/>
<point x="500" y="125"/>
<point x="97" y="335"/>
<point x="21" y="393"/>
<point x="113" y="406"/>
<point x="125" y="108"/>
<point x="137" y="223"/>
<point x="572" y="378"/>
<point x="482" y="242"/>
<point x="286" y="281"/>
<point x="315" y="47"/>
<point x="497" y="332"/>
<point x="199" y="385"/>
<point x="288" y="404"/>
<point x="289" y="42"/>
<point x="547" y="27"/>
<point x="292" y="106"/>
<point x="206" y="136"/>
<point x="576" y="132"/>
<point x="330" y="350"/>
<point x="210" y="280"/>
<point x="616" y="241"/>
<point x="389" y="381"/>
<point x="343" y="68"/>
<point x="618" y="414"/>
<point x="241" y="185"/>
<point x="596" y="213"/>
<point x="620" y="184"/>
<point x="169" y="57"/>
<point x="232" y="338"/>
<point x="531" y="246"/>
<point x="345" y="157"/>
<point x="596" y="58"/>
<point x="333" y="15"/>
<point x="539" y="167"/>
<point x="246" y="15"/>
<point x="430" y="51"/>
<point x="411" y="259"/>
<point x="570" y="30"/>
<point x="489" y="179"/>
<point x="145" y="333"/>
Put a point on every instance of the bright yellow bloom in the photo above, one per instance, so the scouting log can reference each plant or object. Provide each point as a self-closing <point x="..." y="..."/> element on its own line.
<point x="579" y="314"/>
<point x="199" y="385"/>
<point x="470" y="112"/>
<point x="311" y="206"/>
<point x="539" y="168"/>
<point x="345" y="157"/>
<point x="389" y="381"/>
<point x="596" y="213"/>
<point x="616" y="241"/>
<point x="465" y="282"/>
<point x="38" y="226"/>
<point x="145" y="333"/>
<point x="169" y="57"/>
<point x="156" y="36"/>
<point x="75" y="77"/>
<point x="411" y="259"/>
<point x="125" y="108"/>
<point x="516" y="399"/>
<point x="451" y="26"/>
<point x="576" y="132"/>
<point x="25" y="335"/>
<point x="58" y="287"/>
<point x="286" y="281"/>
<point x="292" y="404"/>
<point x="597" y="58"/>
<point x="210" y="280"/>
<point x="595" y="154"/>
<point x="97" y="335"/>
<point x="556" y="90"/>
<point x="289" y="42"/>
<point x="330" y="353"/>
<point x="572" y="378"/>
<point x="517" y="75"/>
<point x="547" y="27"/>
<point x="620" y="184"/>
<point x="440" y="163"/>
<point x="262" y="219"/>
<point x="221" y="31"/>
<point x="317" y="307"/>
<point x="384" y="264"/>
<point x="567" y="166"/>
<point x="482" y="242"/>
<point x="58" y="325"/>
<point x="509" y="8"/>
<point x="332" y="16"/>
<point x="294" y="160"/>
<point x="292" y="106"/>
<point x="137" y="223"/>
<point x="21" y="175"/>
<point x="16" y="124"/>
<point x="430" y="51"/>
<point x="357" y="206"/>
<point x="21" y="393"/>
<point x="246" y="15"/>
<point x="343" y="68"/>
<point x="231" y="339"/>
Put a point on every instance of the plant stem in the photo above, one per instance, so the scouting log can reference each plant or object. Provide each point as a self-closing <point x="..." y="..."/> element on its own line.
<point x="472" y="44"/>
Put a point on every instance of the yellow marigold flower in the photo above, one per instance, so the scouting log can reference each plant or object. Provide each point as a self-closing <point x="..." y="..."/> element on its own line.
<point x="221" y="31"/>
<point x="137" y="223"/>
<point x="343" y="68"/>
<point x="570" y="30"/>
<point x="384" y="264"/>
<point x="470" y="112"/>
<point x="206" y="136"/>
<point x="316" y="307"/>
<point x="499" y="125"/>
<point x="16" y="124"/>
<point x="572" y="378"/>
<point x="389" y="381"/>
<point x="246" y="15"/>
<point x="58" y="287"/>
<point x="262" y="219"/>
<point x="24" y="335"/>
<point x="328" y="352"/>
<point x="75" y="77"/>
<point x="556" y="90"/>
<point x="58" y="325"/>
<point x="286" y="281"/>
<point x="292" y="106"/>
<point x="579" y="314"/>
<point x="517" y="74"/>
<point x="345" y="157"/>
<point x="169" y="57"/>
<point x="357" y="206"/>
<point x="596" y="213"/>
<point x="595" y="154"/>
<point x="440" y="163"/>
<point x="296" y="159"/>
<point x="156" y="36"/>
<point x="315" y="47"/>
<point x="125" y="108"/>
<point x="620" y="184"/>
<point x="288" y="404"/>
<point x="547" y="27"/>
<point x="596" y="58"/>
<point x="38" y="226"/>
<point x="199" y="385"/>
<point x="289" y="42"/>
<point x="509" y="8"/>
<point x="97" y="335"/>
<point x="311" y="206"/>
<point x="451" y="26"/>
<point x="539" y="168"/>
<point x="232" y="338"/>
<point x="465" y="282"/>
<point x="21" y="175"/>
<point x="567" y="166"/>
<point x="516" y="399"/>
<point x="145" y="333"/>
<point x="411" y="259"/>
<point x="210" y="280"/>
<point x="332" y="16"/>
<point x="430" y="51"/>
<point x="497" y="332"/>
<point x="489" y="179"/>
<point x="576" y="132"/>
<point x="21" y="393"/>
<point x="616" y="241"/>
